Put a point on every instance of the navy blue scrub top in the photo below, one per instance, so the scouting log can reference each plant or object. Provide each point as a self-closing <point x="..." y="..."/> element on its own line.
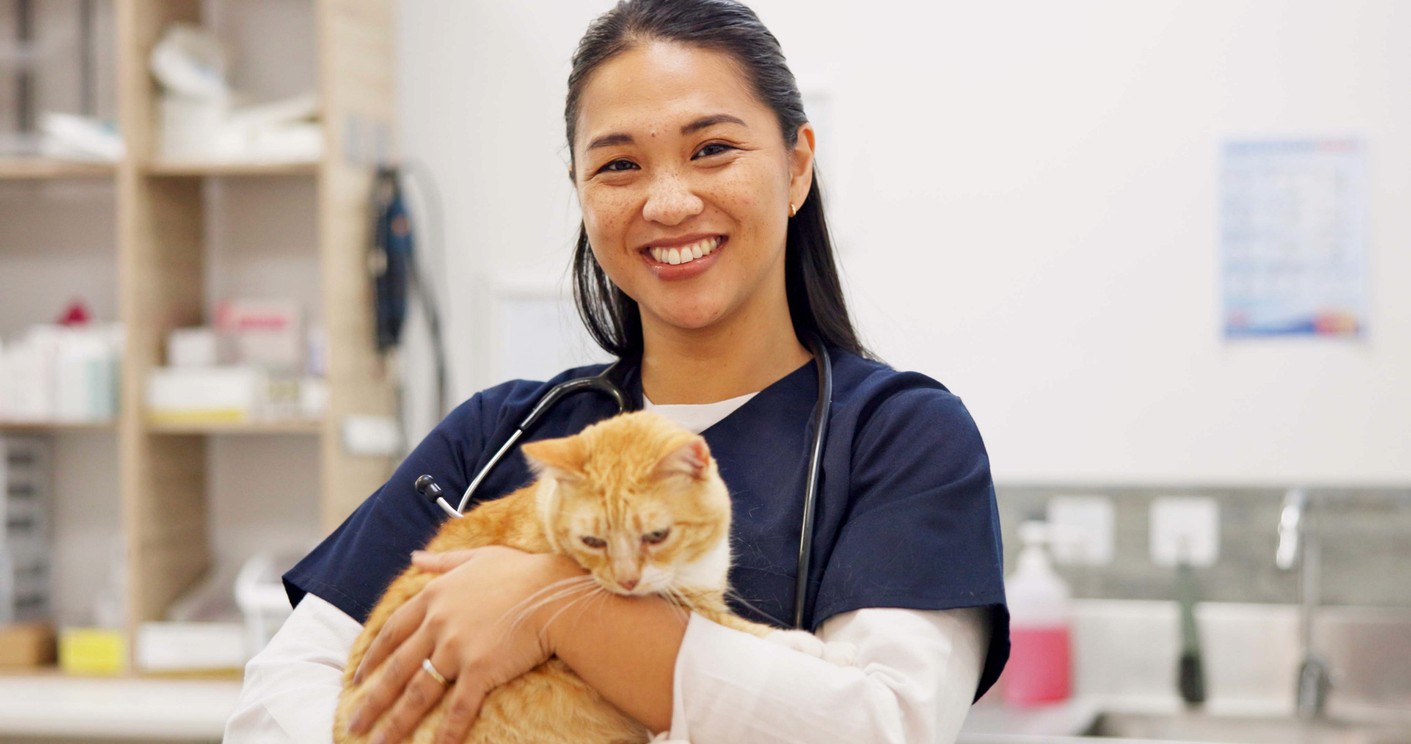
<point x="906" y="514"/>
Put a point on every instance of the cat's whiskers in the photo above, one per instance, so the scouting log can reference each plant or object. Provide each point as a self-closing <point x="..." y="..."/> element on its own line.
<point x="549" y="594"/>
<point x="677" y="601"/>
<point x="590" y="596"/>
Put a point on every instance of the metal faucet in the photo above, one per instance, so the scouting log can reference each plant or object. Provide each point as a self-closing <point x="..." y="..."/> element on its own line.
<point x="1298" y="544"/>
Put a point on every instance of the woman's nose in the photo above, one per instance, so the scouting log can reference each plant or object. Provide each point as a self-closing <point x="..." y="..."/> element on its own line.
<point x="671" y="200"/>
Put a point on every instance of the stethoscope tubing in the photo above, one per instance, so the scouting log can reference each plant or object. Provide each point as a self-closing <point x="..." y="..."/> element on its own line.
<point x="603" y="383"/>
<point x="815" y="473"/>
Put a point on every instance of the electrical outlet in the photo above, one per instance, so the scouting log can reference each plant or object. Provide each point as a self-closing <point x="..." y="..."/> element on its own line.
<point x="1082" y="529"/>
<point x="1185" y="529"/>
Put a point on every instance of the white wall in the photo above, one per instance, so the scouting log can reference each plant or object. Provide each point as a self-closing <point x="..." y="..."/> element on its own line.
<point x="1025" y="197"/>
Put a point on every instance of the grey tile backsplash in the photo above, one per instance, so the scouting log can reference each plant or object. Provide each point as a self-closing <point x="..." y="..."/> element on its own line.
<point x="1365" y="537"/>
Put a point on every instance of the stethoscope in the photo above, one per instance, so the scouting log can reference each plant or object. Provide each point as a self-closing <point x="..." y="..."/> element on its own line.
<point x="604" y="384"/>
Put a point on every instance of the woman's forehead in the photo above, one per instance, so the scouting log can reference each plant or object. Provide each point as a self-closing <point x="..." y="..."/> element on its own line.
<point x="658" y="87"/>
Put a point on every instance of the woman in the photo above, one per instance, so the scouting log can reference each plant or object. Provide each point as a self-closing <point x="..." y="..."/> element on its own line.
<point x="704" y="264"/>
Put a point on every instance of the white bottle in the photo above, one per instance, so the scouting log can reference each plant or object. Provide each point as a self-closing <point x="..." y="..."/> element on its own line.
<point x="1040" y="661"/>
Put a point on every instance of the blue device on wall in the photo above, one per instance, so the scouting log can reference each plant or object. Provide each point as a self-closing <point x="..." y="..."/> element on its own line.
<point x="390" y="260"/>
<point x="393" y="269"/>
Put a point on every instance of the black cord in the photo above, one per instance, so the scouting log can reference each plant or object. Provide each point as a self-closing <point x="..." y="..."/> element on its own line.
<point x="815" y="474"/>
<point x="424" y="185"/>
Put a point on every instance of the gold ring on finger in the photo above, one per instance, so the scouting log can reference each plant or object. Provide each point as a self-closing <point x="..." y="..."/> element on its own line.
<point x="430" y="669"/>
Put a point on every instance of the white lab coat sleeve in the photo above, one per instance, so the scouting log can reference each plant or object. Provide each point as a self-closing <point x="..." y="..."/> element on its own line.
<point x="913" y="680"/>
<point x="291" y="687"/>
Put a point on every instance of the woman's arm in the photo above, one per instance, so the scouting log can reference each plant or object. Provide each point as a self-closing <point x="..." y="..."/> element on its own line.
<point x="914" y="677"/>
<point x="913" y="680"/>
<point x="626" y="649"/>
<point x="472" y="625"/>
<point x="292" y="685"/>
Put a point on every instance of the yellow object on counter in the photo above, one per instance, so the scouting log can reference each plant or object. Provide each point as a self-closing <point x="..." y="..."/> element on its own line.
<point x="92" y="651"/>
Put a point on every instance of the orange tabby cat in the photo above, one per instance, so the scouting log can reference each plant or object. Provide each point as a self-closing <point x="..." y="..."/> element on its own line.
<point x="638" y="502"/>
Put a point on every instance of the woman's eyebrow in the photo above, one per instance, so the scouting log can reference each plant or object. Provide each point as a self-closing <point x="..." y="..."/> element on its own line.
<point x="705" y="122"/>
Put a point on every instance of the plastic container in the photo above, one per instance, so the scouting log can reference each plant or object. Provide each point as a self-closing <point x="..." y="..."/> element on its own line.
<point x="1040" y="662"/>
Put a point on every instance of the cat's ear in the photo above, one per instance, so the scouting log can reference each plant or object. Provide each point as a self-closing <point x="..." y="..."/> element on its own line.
<point x="691" y="458"/>
<point x="561" y="459"/>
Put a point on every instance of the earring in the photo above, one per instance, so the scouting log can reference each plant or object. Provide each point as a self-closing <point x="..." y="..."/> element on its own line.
<point x="792" y="210"/>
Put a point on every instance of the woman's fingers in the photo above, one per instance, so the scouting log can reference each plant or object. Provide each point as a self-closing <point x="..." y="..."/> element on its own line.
<point x="441" y="562"/>
<point x="392" y="682"/>
<point x="468" y="620"/>
<point x="421" y="692"/>
<point x="461" y="712"/>
<point x="401" y="624"/>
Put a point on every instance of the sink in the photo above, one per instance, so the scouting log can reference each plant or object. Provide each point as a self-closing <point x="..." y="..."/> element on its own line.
<point x="1204" y="727"/>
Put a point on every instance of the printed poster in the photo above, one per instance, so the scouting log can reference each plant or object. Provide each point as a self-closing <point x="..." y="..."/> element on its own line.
<point x="1294" y="242"/>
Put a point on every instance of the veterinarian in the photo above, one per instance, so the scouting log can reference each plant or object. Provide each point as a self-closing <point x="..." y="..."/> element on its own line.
<point x="704" y="264"/>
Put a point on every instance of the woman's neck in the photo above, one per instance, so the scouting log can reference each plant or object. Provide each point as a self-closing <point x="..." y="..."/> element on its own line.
<point x="717" y="364"/>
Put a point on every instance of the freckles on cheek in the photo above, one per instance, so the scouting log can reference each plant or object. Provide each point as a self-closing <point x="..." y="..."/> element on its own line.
<point x="605" y="215"/>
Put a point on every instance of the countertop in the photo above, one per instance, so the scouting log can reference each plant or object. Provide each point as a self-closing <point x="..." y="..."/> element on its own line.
<point x="106" y="707"/>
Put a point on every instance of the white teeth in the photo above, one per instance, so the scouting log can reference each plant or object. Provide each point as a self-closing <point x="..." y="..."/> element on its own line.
<point x="685" y="254"/>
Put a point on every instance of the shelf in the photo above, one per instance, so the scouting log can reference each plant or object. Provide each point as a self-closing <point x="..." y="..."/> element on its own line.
<point x="47" y="427"/>
<point x="296" y="426"/>
<point x="53" y="704"/>
<point x="215" y="426"/>
<point x="42" y="169"/>
<point x="199" y="169"/>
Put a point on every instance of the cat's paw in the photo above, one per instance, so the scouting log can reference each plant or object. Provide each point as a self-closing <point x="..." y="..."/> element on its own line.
<point x="842" y="654"/>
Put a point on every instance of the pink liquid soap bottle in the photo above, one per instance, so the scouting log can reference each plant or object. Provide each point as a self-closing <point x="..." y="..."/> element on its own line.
<point x="1040" y="661"/>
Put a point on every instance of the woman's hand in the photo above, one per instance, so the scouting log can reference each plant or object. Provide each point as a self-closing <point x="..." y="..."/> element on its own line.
<point x="481" y="625"/>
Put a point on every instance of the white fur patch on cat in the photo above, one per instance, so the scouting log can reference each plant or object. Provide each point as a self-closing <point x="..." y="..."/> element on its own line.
<point x="710" y="571"/>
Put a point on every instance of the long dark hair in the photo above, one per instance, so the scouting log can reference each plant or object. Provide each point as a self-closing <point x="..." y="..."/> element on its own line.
<point x="814" y="292"/>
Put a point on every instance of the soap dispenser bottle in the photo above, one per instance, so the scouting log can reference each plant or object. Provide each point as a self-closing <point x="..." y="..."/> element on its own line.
<point x="1040" y="661"/>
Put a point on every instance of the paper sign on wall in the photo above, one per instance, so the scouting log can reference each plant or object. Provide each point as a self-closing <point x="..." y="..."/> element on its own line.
<point x="1293" y="238"/>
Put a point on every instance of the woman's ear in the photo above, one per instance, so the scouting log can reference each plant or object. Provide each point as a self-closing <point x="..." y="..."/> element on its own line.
<point x="801" y="165"/>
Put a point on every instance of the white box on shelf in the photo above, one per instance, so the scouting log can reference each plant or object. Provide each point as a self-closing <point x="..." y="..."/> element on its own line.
<point x="265" y="333"/>
<point x="259" y="592"/>
<point x="195" y="347"/>
<point x="86" y="376"/>
<point x="176" y="394"/>
<point x="172" y="647"/>
<point x="313" y="397"/>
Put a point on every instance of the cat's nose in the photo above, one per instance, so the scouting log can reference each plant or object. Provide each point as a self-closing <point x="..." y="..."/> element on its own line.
<point x="628" y="584"/>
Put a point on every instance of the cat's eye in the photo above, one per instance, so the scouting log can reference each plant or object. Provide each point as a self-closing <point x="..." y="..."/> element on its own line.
<point x="653" y="538"/>
<point x="597" y="543"/>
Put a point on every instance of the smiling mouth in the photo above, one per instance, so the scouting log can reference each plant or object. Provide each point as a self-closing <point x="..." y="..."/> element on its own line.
<point x="686" y="253"/>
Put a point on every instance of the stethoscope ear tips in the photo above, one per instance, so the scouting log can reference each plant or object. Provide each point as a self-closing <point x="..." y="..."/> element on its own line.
<point x="426" y="486"/>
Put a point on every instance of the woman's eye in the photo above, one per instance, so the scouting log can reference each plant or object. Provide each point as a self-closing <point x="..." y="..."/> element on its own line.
<point x="617" y="166"/>
<point x="653" y="538"/>
<point x="596" y="543"/>
<point x="714" y="148"/>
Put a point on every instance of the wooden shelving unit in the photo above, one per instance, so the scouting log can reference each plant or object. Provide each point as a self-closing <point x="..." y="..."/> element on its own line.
<point x="38" y="169"/>
<point x="272" y="426"/>
<point x="161" y="274"/>
<point x="50" y="427"/>
<point x="162" y="227"/>
<point x="215" y="168"/>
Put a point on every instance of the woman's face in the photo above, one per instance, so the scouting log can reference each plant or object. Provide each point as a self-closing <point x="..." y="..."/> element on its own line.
<point x="685" y="184"/>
